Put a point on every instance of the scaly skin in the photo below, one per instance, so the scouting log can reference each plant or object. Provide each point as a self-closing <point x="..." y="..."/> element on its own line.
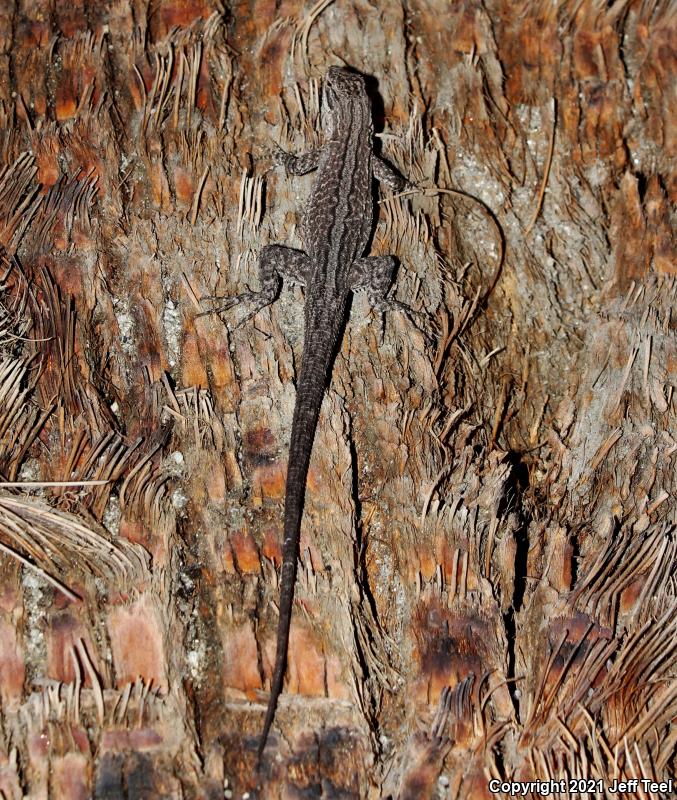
<point x="336" y="228"/>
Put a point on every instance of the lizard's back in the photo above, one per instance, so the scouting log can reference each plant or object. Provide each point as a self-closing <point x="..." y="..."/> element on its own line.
<point x="338" y="218"/>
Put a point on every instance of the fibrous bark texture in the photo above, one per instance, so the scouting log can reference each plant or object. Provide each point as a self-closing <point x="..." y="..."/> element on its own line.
<point x="487" y="588"/>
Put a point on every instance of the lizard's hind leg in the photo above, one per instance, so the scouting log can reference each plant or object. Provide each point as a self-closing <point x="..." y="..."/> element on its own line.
<point x="275" y="262"/>
<point x="374" y="274"/>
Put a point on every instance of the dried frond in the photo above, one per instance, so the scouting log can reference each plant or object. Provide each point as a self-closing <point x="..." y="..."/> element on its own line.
<point x="106" y="459"/>
<point x="61" y="379"/>
<point x="66" y="203"/>
<point x="302" y="31"/>
<point x="65" y="547"/>
<point x="622" y="560"/>
<point x="133" y="706"/>
<point x="250" y="206"/>
<point x="143" y="492"/>
<point x="19" y="200"/>
<point x="156" y="100"/>
<point x="193" y="410"/>
<point x="20" y="420"/>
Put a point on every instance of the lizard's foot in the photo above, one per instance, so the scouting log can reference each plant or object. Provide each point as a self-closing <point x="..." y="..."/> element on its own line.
<point x="419" y="319"/>
<point x="278" y="156"/>
<point x="275" y="261"/>
<point x="255" y="299"/>
<point x="296" y="164"/>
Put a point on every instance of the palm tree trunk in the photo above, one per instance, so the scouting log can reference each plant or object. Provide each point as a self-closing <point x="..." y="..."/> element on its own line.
<point x="486" y="587"/>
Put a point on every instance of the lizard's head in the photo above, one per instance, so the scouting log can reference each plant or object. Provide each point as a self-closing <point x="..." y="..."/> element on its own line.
<point x="343" y="84"/>
<point x="341" y="91"/>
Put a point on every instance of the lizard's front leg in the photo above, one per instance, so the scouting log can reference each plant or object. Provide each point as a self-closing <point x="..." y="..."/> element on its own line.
<point x="298" y="165"/>
<point x="275" y="262"/>
<point x="384" y="173"/>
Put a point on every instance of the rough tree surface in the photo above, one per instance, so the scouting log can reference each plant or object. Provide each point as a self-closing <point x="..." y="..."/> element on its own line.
<point x="487" y="587"/>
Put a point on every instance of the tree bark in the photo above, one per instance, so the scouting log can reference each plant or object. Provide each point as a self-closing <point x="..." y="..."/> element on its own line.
<point x="486" y="588"/>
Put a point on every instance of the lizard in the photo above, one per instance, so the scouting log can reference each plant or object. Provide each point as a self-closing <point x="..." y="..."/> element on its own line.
<point x="336" y="230"/>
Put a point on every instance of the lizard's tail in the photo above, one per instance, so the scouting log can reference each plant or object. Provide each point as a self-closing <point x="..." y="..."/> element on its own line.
<point x="309" y="394"/>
